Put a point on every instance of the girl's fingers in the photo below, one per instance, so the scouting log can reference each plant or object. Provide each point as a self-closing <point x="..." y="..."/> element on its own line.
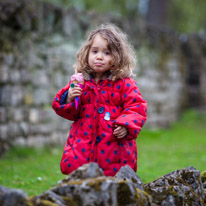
<point x="118" y="128"/>
<point x="74" y="92"/>
<point x="121" y="135"/>
<point x="120" y="131"/>
<point x="75" y="89"/>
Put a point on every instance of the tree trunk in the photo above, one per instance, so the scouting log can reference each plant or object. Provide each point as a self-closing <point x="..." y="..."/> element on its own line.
<point x="158" y="12"/>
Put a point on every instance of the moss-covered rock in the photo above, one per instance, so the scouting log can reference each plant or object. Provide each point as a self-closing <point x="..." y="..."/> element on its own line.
<point x="10" y="197"/>
<point x="95" y="189"/>
<point x="203" y="176"/>
<point x="181" y="187"/>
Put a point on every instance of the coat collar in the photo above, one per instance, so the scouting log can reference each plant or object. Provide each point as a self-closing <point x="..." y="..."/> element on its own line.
<point x="88" y="76"/>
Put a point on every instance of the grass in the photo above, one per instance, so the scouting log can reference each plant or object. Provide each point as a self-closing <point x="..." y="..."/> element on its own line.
<point x="33" y="170"/>
<point x="163" y="151"/>
<point x="159" y="152"/>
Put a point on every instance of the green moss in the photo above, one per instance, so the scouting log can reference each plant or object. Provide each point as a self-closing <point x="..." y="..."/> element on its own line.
<point x="142" y="197"/>
<point x="75" y="182"/>
<point x="96" y="183"/>
<point x="41" y="202"/>
<point x="124" y="195"/>
<point x="46" y="203"/>
<point x="69" y="201"/>
<point x="162" y="63"/>
<point x="76" y="200"/>
<point x="170" y="190"/>
<point x="72" y="182"/>
<point x="203" y="176"/>
<point x="134" y="180"/>
<point x="6" y="45"/>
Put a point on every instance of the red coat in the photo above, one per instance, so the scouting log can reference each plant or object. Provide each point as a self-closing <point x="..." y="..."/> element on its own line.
<point x="91" y="136"/>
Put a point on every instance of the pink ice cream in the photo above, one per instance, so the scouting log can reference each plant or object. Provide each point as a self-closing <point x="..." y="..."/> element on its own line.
<point x="78" y="77"/>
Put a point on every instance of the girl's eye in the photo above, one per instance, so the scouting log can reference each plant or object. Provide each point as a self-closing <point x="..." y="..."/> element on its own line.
<point x="94" y="51"/>
<point x="107" y="53"/>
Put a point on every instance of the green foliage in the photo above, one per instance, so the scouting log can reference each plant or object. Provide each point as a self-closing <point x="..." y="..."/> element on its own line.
<point x="184" y="16"/>
<point x="159" y="152"/>
<point x="78" y="4"/>
<point x="121" y="8"/>
<point x="188" y="15"/>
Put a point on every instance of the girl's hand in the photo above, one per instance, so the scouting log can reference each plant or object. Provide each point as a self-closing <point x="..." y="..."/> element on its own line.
<point x="73" y="92"/>
<point x="120" y="131"/>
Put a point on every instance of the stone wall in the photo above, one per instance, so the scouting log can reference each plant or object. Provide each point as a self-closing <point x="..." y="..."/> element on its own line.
<point x="29" y="82"/>
<point x="38" y="47"/>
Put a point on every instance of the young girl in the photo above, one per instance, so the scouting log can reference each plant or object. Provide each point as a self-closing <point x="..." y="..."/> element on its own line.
<point x="110" y="111"/>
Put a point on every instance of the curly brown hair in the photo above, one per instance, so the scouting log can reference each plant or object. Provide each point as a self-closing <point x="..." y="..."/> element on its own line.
<point x="123" y="55"/>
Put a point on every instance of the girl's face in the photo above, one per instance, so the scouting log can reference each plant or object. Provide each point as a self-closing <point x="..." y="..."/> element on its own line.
<point x="100" y="57"/>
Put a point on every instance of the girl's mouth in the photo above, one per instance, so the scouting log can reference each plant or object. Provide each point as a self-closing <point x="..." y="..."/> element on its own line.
<point x="98" y="64"/>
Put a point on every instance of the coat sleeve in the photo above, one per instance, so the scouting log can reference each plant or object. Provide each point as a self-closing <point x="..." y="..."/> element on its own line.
<point x="64" y="110"/>
<point x="134" y="112"/>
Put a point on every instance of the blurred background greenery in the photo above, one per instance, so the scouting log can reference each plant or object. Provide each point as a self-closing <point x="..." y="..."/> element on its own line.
<point x="160" y="151"/>
<point x="186" y="16"/>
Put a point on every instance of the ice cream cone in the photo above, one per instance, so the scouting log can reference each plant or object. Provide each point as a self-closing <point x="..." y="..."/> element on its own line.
<point x="79" y="80"/>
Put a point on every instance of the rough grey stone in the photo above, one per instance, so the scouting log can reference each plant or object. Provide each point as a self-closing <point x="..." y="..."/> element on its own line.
<point x="11" y="197"/>
<point x="5" y="93"/>
<point x="25" y="76"/>
<point x="34" y="115"/>
<point x="90" y="170"/>
<point x="14" y="130"/>
<point x="70" y="24"/>
<point x="9" y="59"/>
<point x="4" y="132"/>
<point x="87" y="186"/>
<point x="41" y="96"/>
<point x="16" y="114"/>
<point x="24" y="128"/>
<point x="3" y="115"/>
<point x="52" y="197"/>
<point x="40" y="78"/>
<point x="59" y="80"/>
<point x="181" y="187"/>
<point x="4" y="73"/>
<point x="20" y="141"/>
<point x="58" y="137"/>
<point x="40" y="128"/>
<point x="39" y="140"/>
<point x="126" y="173"/>
<point x="35" y="61"/>
<point x="15" y="76"/>
<point x="16" y="95"/>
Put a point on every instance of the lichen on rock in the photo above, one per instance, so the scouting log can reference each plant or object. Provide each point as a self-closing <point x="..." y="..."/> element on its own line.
<point x="87" y="186"/>
<point x="203" y="176"/>
<point x="181" y="187"/>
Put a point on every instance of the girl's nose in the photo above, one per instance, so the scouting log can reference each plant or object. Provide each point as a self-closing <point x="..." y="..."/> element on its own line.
<point x="99" y="55"/>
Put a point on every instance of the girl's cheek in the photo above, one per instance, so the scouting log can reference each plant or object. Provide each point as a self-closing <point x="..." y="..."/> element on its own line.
<point x="112" y="61"/>
<point x="112" y="64"/>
